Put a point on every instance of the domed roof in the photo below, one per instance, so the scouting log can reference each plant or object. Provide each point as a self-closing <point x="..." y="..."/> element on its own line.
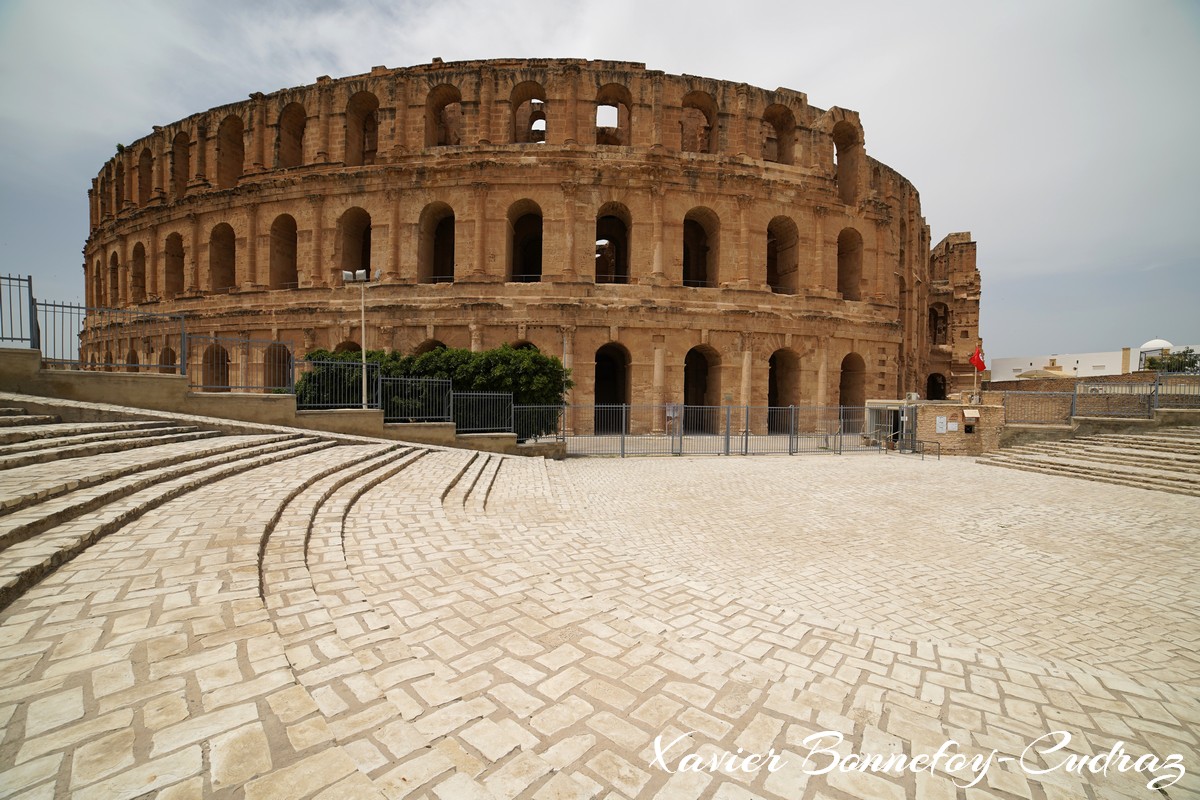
<point x="1156" y="344"/>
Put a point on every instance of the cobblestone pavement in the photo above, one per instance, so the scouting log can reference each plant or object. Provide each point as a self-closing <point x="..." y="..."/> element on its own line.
<point x="374" y="622"/>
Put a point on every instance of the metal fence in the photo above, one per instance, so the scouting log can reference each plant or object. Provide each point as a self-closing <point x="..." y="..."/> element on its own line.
<point x="483" y="412"/>
<point x="1104" y="399"/>
<point x="18" y="312"/>
<point x="335" y="384"/>
<point x="74" y="336"/>
<point x="416" y="399"/>
<point x="239" y="364"/>
<point x="673" y="429"/>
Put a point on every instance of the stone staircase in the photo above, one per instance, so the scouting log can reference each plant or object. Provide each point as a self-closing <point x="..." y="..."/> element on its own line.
<point x="1167" y="459"/>
<point x="65" y="485"/>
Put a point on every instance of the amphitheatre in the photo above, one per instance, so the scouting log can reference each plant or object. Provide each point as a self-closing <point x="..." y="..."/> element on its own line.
<point x="210" y="605"/>
<point x="670" y="238"/>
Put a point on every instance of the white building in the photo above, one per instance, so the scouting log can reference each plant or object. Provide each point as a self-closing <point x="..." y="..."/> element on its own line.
<point x="1082" y="365"/>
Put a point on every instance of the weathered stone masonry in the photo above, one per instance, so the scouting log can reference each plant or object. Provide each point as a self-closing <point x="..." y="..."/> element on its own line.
<point x="672" y="238"/>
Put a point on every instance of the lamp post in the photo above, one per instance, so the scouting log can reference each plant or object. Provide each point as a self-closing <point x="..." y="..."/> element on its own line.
<point x="362" y="277"/>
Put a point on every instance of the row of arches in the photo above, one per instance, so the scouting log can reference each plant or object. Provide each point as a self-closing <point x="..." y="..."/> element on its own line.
<point x="436" y="253"/>
<point x="531" y="116"/>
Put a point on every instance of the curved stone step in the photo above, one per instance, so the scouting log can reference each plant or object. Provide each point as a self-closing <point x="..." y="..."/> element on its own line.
<point x="9" y="411"/>
<point x="69" y="438"/>
<point x="98" y="448"/>
<point x="54" y="430"/>
<point x="30" y="521"/>
<point x="1104" y="455"/>
<point x="19" y="490"/>
<point x="1103" y="476"/>
<point x="24" y="564"/>
<point x="21" y="420"/>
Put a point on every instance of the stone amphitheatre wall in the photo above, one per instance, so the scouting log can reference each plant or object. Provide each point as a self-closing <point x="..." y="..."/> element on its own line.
<point x="671" y="238"/>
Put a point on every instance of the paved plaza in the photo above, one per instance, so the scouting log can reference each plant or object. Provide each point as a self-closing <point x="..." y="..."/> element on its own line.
<point x="389" y="622"/>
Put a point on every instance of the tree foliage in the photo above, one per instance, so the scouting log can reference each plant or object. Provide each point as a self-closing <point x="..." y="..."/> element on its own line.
<point x="1184" y="361"/>
<point x="532" y="378"/>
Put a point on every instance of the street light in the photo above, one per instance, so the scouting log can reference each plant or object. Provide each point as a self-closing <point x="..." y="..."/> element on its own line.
<point x="362" y="277"/>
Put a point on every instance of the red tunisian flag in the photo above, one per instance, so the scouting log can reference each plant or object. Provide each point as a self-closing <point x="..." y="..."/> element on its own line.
<point x="976" y="359"/>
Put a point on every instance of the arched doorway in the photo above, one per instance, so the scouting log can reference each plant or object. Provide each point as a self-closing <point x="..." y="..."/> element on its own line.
<point x="277" y="367"/>
<point x="935" y="387"/>
<point x="783" y="389"/>
<point x="611" y="389"/>
<point x="215" y="369"/>
<point x="701" y="391"/>
<point x="852" y="392"/>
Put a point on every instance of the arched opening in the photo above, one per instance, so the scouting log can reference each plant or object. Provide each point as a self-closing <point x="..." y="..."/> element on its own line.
<point x="935" y="387"/>
<point x="701" y="390"/>
<point x="443" y="116"/>
<point x="362" y="129"/>
<point x="348" y="347"/>
<point x="137" y="274"/>
<point x="428" y="346"/>
<point x="277" y="367"/>
<point x="173" y="277"/>
<point x="181" y="166"/>
<point x="852" y="386"/>
<point x="222" y="259"/>
<point x="849" y="261"/>
<point x="167" y="362"/>
<point x="105" y="198"/>
<point x="783" y="389"/>
<point x="525" y="344"/>
<point x="435" y="244"/>
<point x="145" y="176"/>
<point x="613" y="102"/>
<point x="701" y="237"/>
<point x="118" y="188"/>
<point x="783" y="252"/>
<point x="698" y="123"/>
<point x="215" y="369"/>
<point x="292" y="122"/>
<point x="231" y="151"/>
<point x="939" y="324"/>
<point x="525" y="242"/>
<point x="283" y="270"/>
<point x="847" y="160"/>
<point x="98" y="284"/>
<point x="529" y="122"/>
<point x="131" y="361"/>
<point x="114" y="282"/>
<point x="612" y="244"/>
<point x="611" y="389"/>
<point x="354" y="240"/>
<point x="107" y="364"/>
<point x="779" y="134"/>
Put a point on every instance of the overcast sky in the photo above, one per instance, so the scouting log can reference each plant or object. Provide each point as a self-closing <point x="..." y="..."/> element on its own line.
<point x="1061" y="133"/>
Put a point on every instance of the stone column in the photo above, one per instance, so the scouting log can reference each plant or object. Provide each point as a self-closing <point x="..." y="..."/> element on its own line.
<point x="747" y="366"/>
<point x="160" y="164"/>
<point x="317" y="271"/>
<point x="250" y="279"/>
<point x="741" y="122"/>
<point x="476" y="337"/>
<point x="480" y="189"/>
<point x="401" y="136"/>
<point x="198" y="178"/>
<point x="659" y="387"/>
<point x="487" y="99"/>
<point x="744" y="202"/>
<point x="878" y="287"/>
<point x="123" y="293"/>
<point x="195" y="284"/>
<point x="393" y="273"/>
<point x="657" y="275"/>
<point x="572" y="116"/>
<point x="323" y="100"/>
<point x="258" y="133"/>
<point x="570" y="190"/>
<point x="819" y="268"/>
<point x="152" y="282"/>
<point x="656" y="138"/>
<point x="823" y="371"/>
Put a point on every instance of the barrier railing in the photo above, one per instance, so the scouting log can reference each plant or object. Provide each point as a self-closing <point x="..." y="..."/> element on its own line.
<point x="18" y="311"/>
<point x="416" y="399"/>
<point x="335" y="384"/>
<point x="483" y="412"/>
<point x="238" y="364"/>
<point x="74" y="336"/>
